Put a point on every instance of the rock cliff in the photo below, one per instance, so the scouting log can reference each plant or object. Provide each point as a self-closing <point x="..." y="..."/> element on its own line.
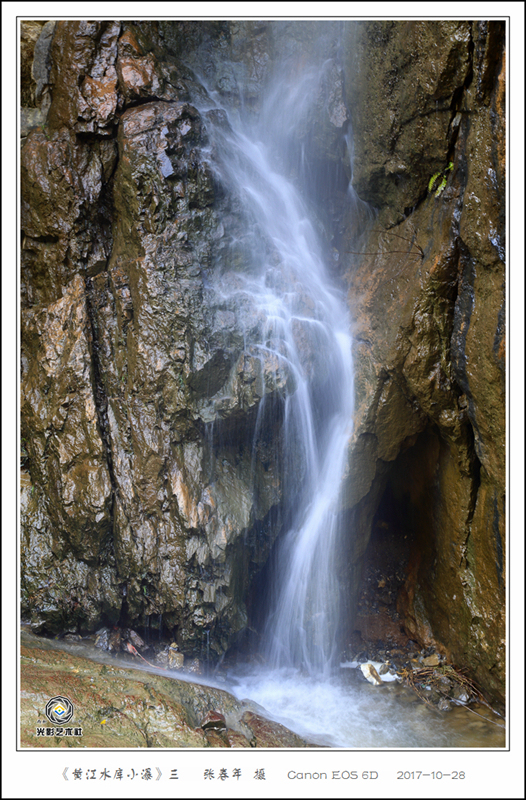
<point x="139" y="501"/>
<point x="144" y="497"/>
<point x="428" y="304"/>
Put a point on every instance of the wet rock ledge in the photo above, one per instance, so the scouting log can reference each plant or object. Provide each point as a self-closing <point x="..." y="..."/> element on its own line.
<point x="120" y="708"/>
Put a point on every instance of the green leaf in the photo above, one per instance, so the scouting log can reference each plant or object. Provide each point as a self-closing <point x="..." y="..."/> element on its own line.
<point x="432" y="181"/>
<point x="441" y="187"/>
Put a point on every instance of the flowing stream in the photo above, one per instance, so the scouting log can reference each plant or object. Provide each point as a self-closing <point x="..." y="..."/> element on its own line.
<point x="343" y="711"/>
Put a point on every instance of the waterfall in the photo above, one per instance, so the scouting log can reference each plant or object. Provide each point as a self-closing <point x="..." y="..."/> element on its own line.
<point x="303" y="347"/>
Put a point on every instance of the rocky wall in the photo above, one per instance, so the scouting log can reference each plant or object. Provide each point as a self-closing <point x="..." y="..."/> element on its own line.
<point x="142" y="499"/>
<point x="428" y="305"/>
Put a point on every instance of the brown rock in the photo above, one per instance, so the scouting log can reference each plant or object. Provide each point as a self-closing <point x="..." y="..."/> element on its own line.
<point x="195" y="666"/>
<point x="236" y="739"/>
<point x="115" y="640"/>
<point x="175" y="660"/>
<point x="84" y="77"/>
<point x="129" y="356"/>
<point x="29" y="32"/>
<point x="393" y="156"/>
<point x="431" y="661"/>
<point x="60" y="416"/>
<point x="135" y="639"/>
<point x="429" y="329"/>
<point x="140" y="711"/>
<point x="62" y="218"/>
<point x="128" y="337"/>
<point x="216" y="738"/>
<point x="213" y="719"/>
<point x="378" y="626"/>
<point x="270" y="734"/>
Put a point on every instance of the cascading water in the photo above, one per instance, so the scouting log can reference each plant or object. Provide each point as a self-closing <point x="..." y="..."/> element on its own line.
<point x="303" y="334"/>
<point x="271" y="274"/>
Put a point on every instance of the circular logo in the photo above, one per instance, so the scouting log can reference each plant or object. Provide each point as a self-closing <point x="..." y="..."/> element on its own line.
<point x="59" y="710"/>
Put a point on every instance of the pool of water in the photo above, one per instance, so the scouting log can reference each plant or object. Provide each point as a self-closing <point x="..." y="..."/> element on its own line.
<point x="349" y="712"/>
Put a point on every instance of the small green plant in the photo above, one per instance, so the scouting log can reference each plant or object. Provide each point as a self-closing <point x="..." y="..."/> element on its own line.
<point x="432" y="181"/>
<point x="45" y="131"/>
<point x="441" y="174"/>
<point x="441" y="187"/>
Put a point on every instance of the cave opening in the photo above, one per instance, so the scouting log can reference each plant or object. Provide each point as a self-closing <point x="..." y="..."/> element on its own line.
<point x="399" y="549"/>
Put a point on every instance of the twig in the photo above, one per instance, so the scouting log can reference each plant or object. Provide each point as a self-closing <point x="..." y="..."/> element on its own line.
<point x="388" y="253"/>
<point x="486" y="719"/>
<point x="428" y="675"/>
<point x="405" y="239"/>
<point x="131" y="649"/>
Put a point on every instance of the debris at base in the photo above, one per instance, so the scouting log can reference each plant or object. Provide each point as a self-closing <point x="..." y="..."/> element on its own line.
<point x="370" y="673"/>
<point x="438" y="687"/>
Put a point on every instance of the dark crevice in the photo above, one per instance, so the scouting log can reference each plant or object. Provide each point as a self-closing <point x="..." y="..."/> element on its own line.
<point x="143" y="101"/>
<point x="424" y="114"/>
<point x="49" y="239"/>
<point x="474" y="490"/>
<point x="92" y="137"/>
<point x="453" y="109"/>
<point x="492" y="38"/>
<point x="457" y="101"/>
<point x="471" y="49"/>
<point x="99" y="395"/>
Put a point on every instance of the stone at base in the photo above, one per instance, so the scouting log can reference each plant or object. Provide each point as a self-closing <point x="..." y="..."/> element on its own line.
<point x="175" y="660"/>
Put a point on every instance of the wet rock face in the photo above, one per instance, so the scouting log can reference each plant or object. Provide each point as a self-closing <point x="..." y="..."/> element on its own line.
<point x="428" y="450"/>
<point x="172" y="367"/>
<point x="60" y="422"/>
<point x="139" y="406"/>
<point x="30" y="31"/>
<point x="416" y="86"/>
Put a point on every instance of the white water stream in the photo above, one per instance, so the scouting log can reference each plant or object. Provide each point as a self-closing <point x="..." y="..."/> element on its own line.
<point x="305" y="331"/>
<point x="341" y="712"/>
